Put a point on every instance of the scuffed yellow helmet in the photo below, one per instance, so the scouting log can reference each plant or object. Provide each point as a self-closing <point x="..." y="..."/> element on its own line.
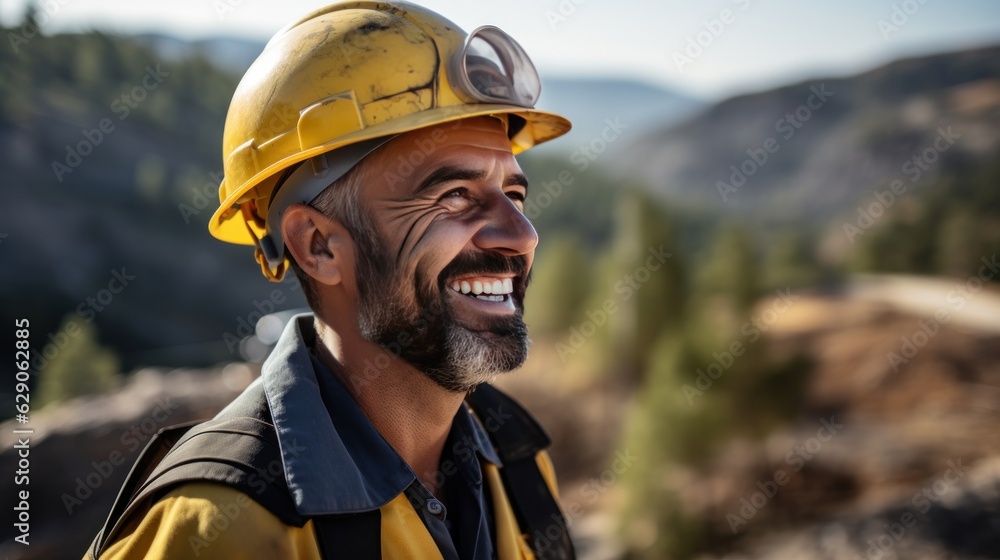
<point x="355" y="74"/>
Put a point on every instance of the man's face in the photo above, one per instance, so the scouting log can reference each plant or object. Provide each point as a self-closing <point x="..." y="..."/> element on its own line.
<point x="441" y="282"/>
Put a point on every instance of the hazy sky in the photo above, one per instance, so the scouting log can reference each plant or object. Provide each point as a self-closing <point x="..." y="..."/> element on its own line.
<point x="759" y="44"/>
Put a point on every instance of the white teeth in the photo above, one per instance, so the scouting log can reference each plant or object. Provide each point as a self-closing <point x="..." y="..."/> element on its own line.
<point x="485" y="287"/>
<point x="491" y="298"/>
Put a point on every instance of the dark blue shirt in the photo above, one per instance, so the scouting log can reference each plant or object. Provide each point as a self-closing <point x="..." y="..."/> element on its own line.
<point x="337" y="462"/>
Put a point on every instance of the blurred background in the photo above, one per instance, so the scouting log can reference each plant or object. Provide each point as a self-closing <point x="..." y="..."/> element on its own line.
<point x="765" y="308"/>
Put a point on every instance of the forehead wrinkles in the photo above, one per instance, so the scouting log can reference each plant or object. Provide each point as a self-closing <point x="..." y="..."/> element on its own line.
<point x="404" y="157"/>
<point x="396" y="190"/>
<point x="488" y="165"/>
<point x="485" y="132"/>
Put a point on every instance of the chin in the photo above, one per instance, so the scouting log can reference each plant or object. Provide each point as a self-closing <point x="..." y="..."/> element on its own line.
<point x="474" y="358"/>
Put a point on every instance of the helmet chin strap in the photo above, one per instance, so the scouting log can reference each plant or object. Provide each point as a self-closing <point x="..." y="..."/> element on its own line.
<point x="277" y="273"/>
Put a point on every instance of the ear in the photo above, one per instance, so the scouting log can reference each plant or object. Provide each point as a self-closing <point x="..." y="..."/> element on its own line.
<point x="320" y="245"/>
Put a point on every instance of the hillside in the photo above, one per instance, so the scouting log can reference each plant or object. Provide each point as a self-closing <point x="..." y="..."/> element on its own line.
<point x="810" y="151"/>
<point x="111" y="162"/>
<point x="590" y="102"/>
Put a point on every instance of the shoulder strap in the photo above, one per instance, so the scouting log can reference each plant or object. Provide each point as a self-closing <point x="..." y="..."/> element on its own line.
<point x="155" y="449"/>
<point x="238" y="448"/>
<point x="354" y="536"/>
<point x="518" y="438"/>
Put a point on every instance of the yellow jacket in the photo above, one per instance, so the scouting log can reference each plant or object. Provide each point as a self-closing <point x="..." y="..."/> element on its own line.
<point x="333" y="462"/>
<point x="215" y="522"/>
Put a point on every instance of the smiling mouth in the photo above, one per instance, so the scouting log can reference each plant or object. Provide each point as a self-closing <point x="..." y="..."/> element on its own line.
<point x="485" y="288"/>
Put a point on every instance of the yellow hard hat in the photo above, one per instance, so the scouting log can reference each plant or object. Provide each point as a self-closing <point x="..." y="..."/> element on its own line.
<point x="333" y="86"/>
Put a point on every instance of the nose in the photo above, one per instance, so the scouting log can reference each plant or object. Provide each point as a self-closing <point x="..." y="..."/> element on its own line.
<point x="506" y="229"/>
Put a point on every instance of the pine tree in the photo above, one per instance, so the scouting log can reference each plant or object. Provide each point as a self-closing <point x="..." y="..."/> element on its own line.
<point x="81" y="366"/>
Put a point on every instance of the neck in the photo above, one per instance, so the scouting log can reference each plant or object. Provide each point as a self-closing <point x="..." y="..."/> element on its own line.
<point x="412" y="413"/>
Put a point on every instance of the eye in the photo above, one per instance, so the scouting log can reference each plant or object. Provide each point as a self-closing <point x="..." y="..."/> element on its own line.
<point x="456" y="199"/>
<point x="456" y="193"/>
<point x="516" y="196"/>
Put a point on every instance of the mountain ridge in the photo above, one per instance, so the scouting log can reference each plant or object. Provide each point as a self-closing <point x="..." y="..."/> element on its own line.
<point x="851" y="141"/>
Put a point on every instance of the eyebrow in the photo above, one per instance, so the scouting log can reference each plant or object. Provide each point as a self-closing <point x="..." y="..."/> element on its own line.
<point x="516" y="179"/>
<point x="451" y="173"/>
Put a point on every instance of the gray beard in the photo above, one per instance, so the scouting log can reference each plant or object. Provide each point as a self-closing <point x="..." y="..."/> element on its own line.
<point x="454" y="357"/>
<point x="426" y="334"/>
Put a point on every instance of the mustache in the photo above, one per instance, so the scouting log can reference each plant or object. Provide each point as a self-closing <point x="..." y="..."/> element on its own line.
<point x="486" y="263"/>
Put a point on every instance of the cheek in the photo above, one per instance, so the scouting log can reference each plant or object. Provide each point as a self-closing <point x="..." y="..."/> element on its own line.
<point x="438" y="246"/>
<point x="428" y="239"/>
<point x="449" y="233"/>
<point x="404" y="229"/>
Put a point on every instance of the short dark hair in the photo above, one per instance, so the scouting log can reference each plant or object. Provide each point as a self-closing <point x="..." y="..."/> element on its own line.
<point x="342" y="201"/>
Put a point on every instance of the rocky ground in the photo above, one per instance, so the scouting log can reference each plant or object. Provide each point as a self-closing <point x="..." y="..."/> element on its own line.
<point x="895" y="452"/>
<point x="82" y="451"/>
<point x="911" y="369"/>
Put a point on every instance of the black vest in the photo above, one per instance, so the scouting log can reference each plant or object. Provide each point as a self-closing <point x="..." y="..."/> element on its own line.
<point x="237" y="447"/>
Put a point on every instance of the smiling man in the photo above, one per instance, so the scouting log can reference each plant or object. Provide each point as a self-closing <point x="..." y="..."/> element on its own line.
<point x="443" y="257"/>
<point x="370" y="149"/>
